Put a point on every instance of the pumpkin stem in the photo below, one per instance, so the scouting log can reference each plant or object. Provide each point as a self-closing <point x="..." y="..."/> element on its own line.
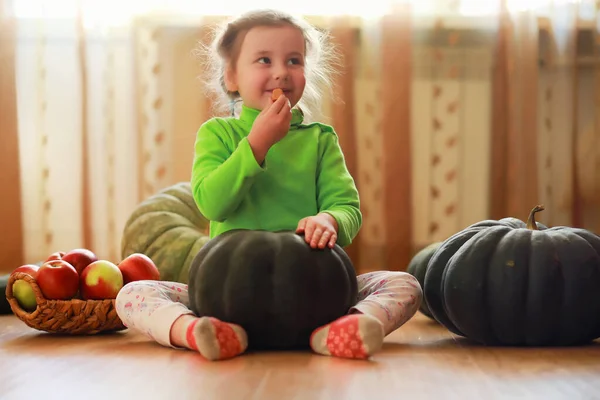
<point x="531" y="220"/>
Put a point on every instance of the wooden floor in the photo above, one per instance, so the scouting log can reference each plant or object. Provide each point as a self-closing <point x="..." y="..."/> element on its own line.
<point x="419" y="361"/>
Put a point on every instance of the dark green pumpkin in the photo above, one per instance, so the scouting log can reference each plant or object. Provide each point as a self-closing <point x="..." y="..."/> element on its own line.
<point x="272" y="284"/>
<point x="168" y="228"/>
<point x="418" y="267"/>
<point x="510" y="283"/>
<point x="4" y="305"/>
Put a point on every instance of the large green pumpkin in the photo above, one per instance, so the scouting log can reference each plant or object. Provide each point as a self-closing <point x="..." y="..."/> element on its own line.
<point x="418" y="267"/>
<point x="168" y="228"/>
<point x="273" y="284"/>
<point x="510" y="283"/>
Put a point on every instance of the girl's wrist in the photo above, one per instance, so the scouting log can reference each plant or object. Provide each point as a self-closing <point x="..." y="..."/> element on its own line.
<point x="259" y="147"/>
<point x="331" y="219"/>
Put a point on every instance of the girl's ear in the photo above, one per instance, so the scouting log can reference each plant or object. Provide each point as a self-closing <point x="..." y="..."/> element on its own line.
<point x="230" y="79"/>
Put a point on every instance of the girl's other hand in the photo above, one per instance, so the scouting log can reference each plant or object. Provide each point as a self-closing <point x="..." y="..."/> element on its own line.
<point x="319" y="230"/>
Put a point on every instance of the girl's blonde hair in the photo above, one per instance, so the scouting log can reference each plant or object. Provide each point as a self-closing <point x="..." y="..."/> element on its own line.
<point x="223" y="52"/>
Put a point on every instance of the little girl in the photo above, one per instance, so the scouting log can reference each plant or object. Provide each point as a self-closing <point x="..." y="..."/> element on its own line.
<point x="265" y="169"/>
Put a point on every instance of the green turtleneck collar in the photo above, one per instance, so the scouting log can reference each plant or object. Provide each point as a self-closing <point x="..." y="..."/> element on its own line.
<point x="249" y="115"/>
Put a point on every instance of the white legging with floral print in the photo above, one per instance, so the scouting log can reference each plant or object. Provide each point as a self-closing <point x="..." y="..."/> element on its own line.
<point x="151" y="307"/>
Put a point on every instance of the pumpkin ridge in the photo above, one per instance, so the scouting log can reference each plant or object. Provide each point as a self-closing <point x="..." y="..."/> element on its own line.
<point x="171" y="229"/>
<point x="249" y="245"/>
<point x="165" y="202"/>
<point x="433" y="277"/>
<point x="153" y="219"/>
<point x="529" y="280"/>
<point x="527" y="318"/>
<point x="467" y="269"/>
<point x="132" y="243"/>
<point x="289" y="315"/>
<point x="185" y="196"/>
<point x="152" y="214"/>
<point x="417" y="267"/>
<point x="555" y="237"/>
<point x="489" y="223"/>
<point x="184" y="273"/>
<point x="513" y="223"/>
<point x="594" y="241"/>
<point x="349" y="277"/>
<point x="351" y="274"/>
<point x="174" y="235"/>
<point x="275" y="252"/>
<point x="580" y="299"/>
<point x="176" y="198"/>
<point x="199" y="258"/>
<point x="545" y="292"/>
<point x="507" y="287"/>
<point x="270" y="307"/>
<point x="142" y="248"/>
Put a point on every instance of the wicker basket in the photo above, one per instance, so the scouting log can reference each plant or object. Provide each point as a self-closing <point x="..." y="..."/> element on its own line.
<point x="74" y="317"/>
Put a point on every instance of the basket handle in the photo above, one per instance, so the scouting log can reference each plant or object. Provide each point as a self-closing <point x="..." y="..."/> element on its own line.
<point x="14" y="304"/>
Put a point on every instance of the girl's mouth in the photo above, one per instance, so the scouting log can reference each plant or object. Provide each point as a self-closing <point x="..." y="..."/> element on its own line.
<point x="277" y="92"/>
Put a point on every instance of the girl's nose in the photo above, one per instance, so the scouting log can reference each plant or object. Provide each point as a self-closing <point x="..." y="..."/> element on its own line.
<point x="280" y="72"/>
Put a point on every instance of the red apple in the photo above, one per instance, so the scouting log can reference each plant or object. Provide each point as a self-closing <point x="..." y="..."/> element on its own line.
<point x="58" y="280"/>
<point x="56" y="256"/>
<point x="100" y="280"/>
<point x="138" y="267"/>
<point x="29" y="269"/>
<point x="80" y="258"/>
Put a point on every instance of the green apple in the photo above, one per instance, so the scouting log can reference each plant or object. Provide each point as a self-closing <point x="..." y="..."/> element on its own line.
<point x="25" y="295"/>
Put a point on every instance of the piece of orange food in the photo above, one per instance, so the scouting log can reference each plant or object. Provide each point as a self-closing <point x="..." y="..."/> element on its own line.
<point x="276" y="93"/>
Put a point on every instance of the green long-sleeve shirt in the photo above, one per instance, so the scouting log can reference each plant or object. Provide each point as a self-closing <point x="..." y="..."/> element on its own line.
<point x="302" y="175"/>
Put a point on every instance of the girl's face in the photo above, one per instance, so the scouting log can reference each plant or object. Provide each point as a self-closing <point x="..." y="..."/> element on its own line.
<point x="270" y="57"/>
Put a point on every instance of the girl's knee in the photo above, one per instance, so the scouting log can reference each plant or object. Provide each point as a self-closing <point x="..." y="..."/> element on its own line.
<point x="406" y="279"/>
<point x="132" y="288"/>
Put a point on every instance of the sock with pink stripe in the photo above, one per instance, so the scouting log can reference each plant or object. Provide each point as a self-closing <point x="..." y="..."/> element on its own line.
<point x="212" y="338"/>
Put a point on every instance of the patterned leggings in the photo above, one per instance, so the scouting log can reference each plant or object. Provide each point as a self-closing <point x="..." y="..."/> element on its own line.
<point x="151" y="307"/>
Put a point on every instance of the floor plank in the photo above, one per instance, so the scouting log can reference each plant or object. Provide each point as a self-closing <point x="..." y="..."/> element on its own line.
<point x="419" y="361"/>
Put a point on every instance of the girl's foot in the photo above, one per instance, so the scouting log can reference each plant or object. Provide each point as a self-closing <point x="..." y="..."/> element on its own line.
<point x="351" y="336"/>
<point x="212" y="338"/>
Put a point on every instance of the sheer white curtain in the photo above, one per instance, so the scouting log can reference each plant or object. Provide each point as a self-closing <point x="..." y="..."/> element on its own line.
<point x="77" y="110"/>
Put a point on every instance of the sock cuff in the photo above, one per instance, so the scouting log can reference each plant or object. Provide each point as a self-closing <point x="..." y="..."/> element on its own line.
<point x="190" y="338"/>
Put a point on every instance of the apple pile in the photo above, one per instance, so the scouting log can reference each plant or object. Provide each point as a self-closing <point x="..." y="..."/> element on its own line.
<point x="79" y="274"/>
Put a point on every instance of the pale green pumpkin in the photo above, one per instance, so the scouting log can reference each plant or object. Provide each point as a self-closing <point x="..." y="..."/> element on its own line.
<point x="168" y="228"/>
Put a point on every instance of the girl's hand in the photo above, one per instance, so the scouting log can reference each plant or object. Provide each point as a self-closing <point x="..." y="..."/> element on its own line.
<point x="271" y="125"/>
<point x="319" y="230"/>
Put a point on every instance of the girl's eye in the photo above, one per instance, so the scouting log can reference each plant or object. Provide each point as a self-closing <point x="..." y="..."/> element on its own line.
<point x="264" y="60"/>
<point x="295" y="61"/>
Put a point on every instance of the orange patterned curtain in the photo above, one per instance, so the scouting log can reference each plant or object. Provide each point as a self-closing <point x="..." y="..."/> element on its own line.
<point x="514" y="177"/>
<point x="11" y="241"/>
